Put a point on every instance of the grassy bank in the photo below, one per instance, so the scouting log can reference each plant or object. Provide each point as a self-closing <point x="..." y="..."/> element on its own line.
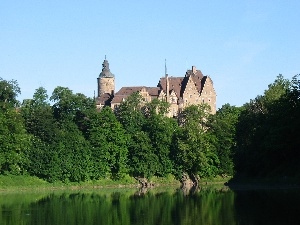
<point x="22" y="183"/>
<point x="11" y="183"/>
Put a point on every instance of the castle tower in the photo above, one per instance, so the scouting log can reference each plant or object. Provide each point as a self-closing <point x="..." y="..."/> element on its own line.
<point x="106" y="80"/>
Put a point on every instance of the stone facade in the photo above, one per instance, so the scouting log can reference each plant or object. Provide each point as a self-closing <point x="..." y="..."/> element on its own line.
<point x="192" y="89"/>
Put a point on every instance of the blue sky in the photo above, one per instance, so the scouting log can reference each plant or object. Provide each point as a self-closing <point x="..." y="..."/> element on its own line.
<point x="241" y="45"/>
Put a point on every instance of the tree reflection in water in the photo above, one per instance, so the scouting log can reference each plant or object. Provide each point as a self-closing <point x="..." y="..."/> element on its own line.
<point x="205" y="205"/>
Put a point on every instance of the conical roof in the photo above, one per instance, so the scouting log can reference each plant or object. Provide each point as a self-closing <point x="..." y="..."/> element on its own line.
<point x="105" y="70"/>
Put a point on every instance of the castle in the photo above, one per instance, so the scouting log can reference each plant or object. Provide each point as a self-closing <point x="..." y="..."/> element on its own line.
<point x="192" y="89"/>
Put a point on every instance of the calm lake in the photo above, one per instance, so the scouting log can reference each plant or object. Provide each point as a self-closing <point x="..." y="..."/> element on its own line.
<point x="210" y="205"/>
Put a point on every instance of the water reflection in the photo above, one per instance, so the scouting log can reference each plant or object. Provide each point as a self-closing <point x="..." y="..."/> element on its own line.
<point x="206" y="205"/>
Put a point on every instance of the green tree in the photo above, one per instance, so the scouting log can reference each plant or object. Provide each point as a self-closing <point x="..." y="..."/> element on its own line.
<point x="14" y="140"/>
<point x="38" y="116"/>
<point x="160" y="130"/>
<point x="260" y="143"/>
<point x="155" y="107"/>
<point x="109" y="145"/>
<point x="9" y="90"/>
<point x="68" y="105"/>
<point x="224" y="129"/>
<point x="130" y="113"/>
<point x="194" y="151"/>
<point x="71" y="152"/>
<point x="142" y="159"/>
<point x="14" y="143"/>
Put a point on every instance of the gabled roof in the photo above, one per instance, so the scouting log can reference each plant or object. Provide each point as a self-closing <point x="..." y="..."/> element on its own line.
<point x="153" y="91"/>
<point x="178" y="84"/>
<point x="124" y="92"/>
<point x="175" y="84"/>
<point x="197" y="78"/>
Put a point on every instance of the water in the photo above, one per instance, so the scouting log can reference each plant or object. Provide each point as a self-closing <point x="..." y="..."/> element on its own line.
<point x="169" y="206"/>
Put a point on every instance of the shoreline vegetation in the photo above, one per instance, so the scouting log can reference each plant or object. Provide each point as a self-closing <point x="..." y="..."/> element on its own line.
<point x="13" y="183"/>
<point x="17" y="183"/>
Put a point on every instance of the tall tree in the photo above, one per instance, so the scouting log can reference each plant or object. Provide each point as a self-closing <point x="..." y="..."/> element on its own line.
<point x="195" y="153"/>
<point x="68" y="105"/>
<point x="109" y="145"/>
<point x="14" y="143"/>
<point x="130" y="113"/>
<point x="259" y="131"/>
<point x="160" y="130"/>
<point x="14" y="140"/>
<point x="38" y="115"/>
<point x="224" y="129"/>
<point x="9" y="90"/>
<point x="143" y="161"/>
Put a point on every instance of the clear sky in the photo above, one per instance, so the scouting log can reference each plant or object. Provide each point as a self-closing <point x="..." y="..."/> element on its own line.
<point x="241" y="45"/>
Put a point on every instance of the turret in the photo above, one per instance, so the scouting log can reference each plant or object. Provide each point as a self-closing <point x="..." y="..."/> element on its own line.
<point x="106" y="80"/>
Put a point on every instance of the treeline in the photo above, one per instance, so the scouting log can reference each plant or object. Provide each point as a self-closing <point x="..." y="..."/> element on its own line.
<point x="268" y="132"/>
<point x="65" y="138"/>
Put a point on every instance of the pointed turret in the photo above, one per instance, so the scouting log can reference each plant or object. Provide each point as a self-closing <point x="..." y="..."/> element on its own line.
<point x="105" y="69"/>
<point x="106" y="80"/>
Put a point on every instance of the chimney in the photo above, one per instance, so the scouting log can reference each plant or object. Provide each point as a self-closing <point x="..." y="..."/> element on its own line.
<point x="194" y="70"/>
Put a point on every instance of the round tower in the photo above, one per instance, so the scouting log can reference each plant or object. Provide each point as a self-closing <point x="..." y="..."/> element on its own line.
<point x="106" y="80"/>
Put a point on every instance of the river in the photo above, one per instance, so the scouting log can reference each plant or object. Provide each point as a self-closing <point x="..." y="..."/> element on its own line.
<point x="208" y="206"/>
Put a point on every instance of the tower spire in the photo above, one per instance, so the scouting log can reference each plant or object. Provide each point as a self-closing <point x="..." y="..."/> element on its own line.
<point x="167" y="82"/>
<point x="166" y="72"/>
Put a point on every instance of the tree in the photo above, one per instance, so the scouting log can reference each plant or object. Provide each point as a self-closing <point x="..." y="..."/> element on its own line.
<point x="194" y="152"/>
<point x="224" y="129"/>
<point x="262" y="131"/>
<point x="14" y="140"/>
<point x="130" y="115"/>
<point x="160" y="130"/>
<point x="142" y="159"/>
<point x="109" y="145"/>
<point x="14" y="143"/>
<point x="38" y="116"/>
<point x="68" y="105"/>
<point x="9" y="90"/>
<point x="70" y="153"/>
<point x="156" y="107"/>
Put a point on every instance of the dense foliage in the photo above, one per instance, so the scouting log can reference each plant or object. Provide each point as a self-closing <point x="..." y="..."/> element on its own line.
<point x="64" y="138"/>
<point x="268" y="132"/>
